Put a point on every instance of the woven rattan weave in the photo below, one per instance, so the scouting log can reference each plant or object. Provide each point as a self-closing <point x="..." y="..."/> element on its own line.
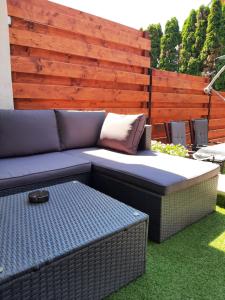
<point x="81" y="244"/>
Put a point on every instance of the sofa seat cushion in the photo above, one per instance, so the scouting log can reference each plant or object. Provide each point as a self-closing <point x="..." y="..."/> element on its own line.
<point x="157" y="172"/>
<point x="28" y="132"/>
<point x="22" y="171"/>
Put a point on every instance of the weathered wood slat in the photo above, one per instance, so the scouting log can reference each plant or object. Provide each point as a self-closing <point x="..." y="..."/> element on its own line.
<point x="91" y="18"/>
<point x="43" y="15"/>
<point x="175" y="105"/>
<point x="177" y="83"/>
<point x="79" y="15"/>
<point x="171" y="117"/>
<point x="216" y="113"/>
<point x="175" y="75"/>
<point x="217" y="123"/>
<point x="54" y="68"/>
<point x="81" y="104"/>
<point x="174" y="90"/>
<point x="218" y="140"/>
<point x="39" y="91"/>
<point x="178" y="112"/>
<point x="67" y="104"/>
<point x="178" y="98"/>
<point x="23" y="51"/>
<point x="216" y="96"/>
<point x="21" y="24"/>
<point x="66" y="81"/>
<point x="218" y="133"/>
<point x="64" y="45"/>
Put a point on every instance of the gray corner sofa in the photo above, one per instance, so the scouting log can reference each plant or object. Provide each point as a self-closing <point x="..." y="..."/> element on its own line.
<point x="40" y="148"/>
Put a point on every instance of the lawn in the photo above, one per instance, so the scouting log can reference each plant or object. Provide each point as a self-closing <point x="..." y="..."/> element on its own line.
<point x="190" y="265"/>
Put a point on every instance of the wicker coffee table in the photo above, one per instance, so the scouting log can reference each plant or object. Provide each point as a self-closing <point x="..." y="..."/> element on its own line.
<point x="81" y="244"/>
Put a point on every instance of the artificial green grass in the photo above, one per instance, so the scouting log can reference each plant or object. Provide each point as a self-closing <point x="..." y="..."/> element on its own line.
<point x="190" y="265"/>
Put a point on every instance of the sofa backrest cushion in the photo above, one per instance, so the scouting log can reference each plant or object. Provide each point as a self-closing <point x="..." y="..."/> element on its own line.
<point x="26" y="132"/>
<point x="122" y="132"/>
<point x="79" y="129"/>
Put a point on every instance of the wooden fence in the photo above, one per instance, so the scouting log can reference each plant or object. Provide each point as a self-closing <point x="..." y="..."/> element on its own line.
<point x="176" y="97"/>
<point x="217" y="119"/>
<point x="63" y="58"/>
<point x="66" y="59"/>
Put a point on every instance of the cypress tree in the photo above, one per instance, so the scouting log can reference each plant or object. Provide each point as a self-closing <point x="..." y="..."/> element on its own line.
<point x="212" y="46"/>
<point x="220" y="83"/>
<point x="170" y="42"/>
<point x="155" y="33"/>
<point x="188" y="42"/>
<point x="195" y="63"/>
<point x="201" y="26"/>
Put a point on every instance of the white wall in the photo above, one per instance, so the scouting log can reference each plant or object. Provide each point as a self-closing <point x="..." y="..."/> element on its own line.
<point x="6" y="93"/>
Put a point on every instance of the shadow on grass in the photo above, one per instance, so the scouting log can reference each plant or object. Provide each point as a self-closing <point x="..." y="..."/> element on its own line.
<point x="221" y="199"/>
<point x="190" y="265"/>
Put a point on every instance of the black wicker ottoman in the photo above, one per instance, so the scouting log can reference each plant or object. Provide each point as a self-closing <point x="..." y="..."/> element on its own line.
<point x="81" y="244"/>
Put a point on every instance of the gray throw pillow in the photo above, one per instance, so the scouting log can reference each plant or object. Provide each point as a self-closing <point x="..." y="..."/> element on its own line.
<point x="26" y="132"/>
<point x="122" y="132"/>
<point x="79" y="129"/>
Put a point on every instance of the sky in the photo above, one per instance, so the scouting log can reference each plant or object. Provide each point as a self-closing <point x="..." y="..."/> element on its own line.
<point x="139" y="13"/>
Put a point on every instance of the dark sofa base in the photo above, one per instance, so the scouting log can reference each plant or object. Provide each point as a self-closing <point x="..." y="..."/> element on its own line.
<point x="168" y="214"/>
<point x="84" y="178"/>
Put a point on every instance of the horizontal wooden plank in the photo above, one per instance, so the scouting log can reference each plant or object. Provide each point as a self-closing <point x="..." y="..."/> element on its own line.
<point x="167" y="115"/>
<point x="80" y="15"/>
<point x="47" y="67"/>
<point x="54" y="80"/>
<point x="64" y="45"/>
<point x="44" y="15"/>
<point x="39" y="91"/>
<point x="219" y="133"/>
<point x="91" y="18"/>
<point x="68" y="104"/>
<point x="22" y="24"/>
<point x="178" y="112"/>
<point x="217" y="123"/>
<point x="81" y="104"/>
<point x="177" y="83"/>
<point x="180" y="76"/>
<point x="156" y="120"/>
<point x="217" y="140"/>
<point x="216" y="113"/>
<point x="177" y="105"/>
<point x="179" y="98"/>
<point x="174" y="90"/>
<point x="218" y="105"/>
<point x="17" y="50"/>
<point x="214" y="94"/>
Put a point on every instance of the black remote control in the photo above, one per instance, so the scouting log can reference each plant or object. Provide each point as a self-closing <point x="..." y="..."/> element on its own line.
<point x="38" y="196"/>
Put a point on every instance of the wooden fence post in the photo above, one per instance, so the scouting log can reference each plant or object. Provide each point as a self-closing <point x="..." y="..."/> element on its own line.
<point x="210" y="101"/>
<point x="6" y="93"/>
